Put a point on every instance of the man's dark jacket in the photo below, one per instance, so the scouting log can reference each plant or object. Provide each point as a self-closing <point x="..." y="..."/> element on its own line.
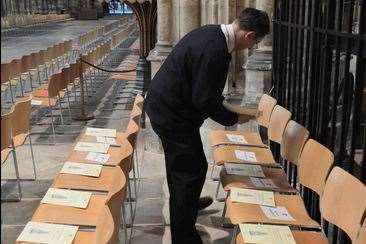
<point x="188" y="87"/>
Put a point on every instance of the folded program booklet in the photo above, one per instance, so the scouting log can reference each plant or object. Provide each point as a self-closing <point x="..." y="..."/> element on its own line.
<point x="252" y="111"/>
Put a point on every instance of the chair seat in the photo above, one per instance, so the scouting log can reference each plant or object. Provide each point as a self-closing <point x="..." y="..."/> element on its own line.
<point x="252" y="213"/>
<point x="20" y="139"/>
<point x="226" y="154"/>
<point x="5" y="154"/>
<point x="117" y="154"/>
<point x="301" y="237"/>
<point x="49" y="213"/>
<point x="277" y="175"/>
<point x="84" y="236"/>
<point x="218" y="137"/>
<point x="88" y="183"/>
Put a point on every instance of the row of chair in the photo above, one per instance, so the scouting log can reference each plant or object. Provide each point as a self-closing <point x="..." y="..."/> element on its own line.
<point x="12" y="21"/>
<point x="100" y="221"/>
<point x="119" y="36"/>
<point x="129" y="63"/>
<point x="15" y="74"/>
<point x="342" y="196"/>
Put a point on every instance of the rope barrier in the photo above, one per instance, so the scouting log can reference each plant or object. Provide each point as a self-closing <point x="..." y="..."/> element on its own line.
<point x="106" y="70"/>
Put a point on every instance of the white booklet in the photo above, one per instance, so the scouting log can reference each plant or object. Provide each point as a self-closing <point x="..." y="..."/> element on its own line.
<point x="266" y="183"/>
<point x="92" y="147"/>
<point x="107" y="140"/>
<point x="45" y="233"/>
<point x="252" y="196"/>
<point x="265" y="234"/>
<point x="71" y="198"/>
<point x="246" y="156"/>
<point x="244" y="170"/>
<point x="239" y="139"/>
<point x="97" y="157"/>
<point x="278" y="213"/>
<point x="81" y="169"/>
<point x="36" y="102"/>
<point x="90" y="131"/>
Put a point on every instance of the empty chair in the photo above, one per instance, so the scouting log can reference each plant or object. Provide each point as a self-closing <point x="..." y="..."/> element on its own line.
<point x="20" y="126"/>
<point x="7" y="147"/>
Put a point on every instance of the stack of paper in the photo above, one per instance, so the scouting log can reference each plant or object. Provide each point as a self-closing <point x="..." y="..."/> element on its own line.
<point x="36" y="232"/>
<point x="101" y="132"/>
<point x="244" y="170"/>
<point x="81" y="169"/>
<point x="71" y="198"/>
<point x="265" y="234"/>
<point x="97" y="157"/>
<point x="92" y="147"/>
<point x="252" y="196"/>
<point x="239" y="139"/>
<point x="246" y="156"/>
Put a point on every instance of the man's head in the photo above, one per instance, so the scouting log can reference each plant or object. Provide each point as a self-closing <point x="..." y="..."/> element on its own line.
<point x="250" y="28"/>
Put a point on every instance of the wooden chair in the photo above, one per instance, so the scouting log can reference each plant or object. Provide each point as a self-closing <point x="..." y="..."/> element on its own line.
<point x="15" y="75"/>
<point x="313" y="155"/>
<point x="25" y="73"/>
<point x="7" y="147"/>
<point x="106" y="231"/>
<point x="6" y="86"/>
<point x="278" y="121"/>
<point x="49" y="213"/>
<point x="266" y="106"/>
<point x="20" y="126"/>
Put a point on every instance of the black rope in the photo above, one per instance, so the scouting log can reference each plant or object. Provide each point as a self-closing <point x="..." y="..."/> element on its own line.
<point x="107" y="70"/>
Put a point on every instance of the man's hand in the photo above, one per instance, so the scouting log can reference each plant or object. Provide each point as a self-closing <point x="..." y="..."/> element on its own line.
<point x="244" y="118"/>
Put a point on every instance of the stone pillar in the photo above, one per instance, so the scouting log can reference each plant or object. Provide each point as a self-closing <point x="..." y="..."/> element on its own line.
<point x="163" y="45"/>
<point x="259" y="65"/>
<point x="189" y="16"/>
<point x="203" y="12"/>
<point x="212" y="11"/>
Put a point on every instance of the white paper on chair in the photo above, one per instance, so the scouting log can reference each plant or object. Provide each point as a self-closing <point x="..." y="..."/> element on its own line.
<point x="246" y="156"/>
<point x="71" y="198"/>
<point x="236" y="138"/>
<point x="90" y="131"/>
<point x="258" y="182"/>
<point x="107" y="140"/>
<point x="244" y="170"/>
<point x="81" y="169"/>
<point x="252" y="196"/>
<point x="36" y="102"/>
<point x="97" y="157"/>
<point x="278" y="213"/>
<point x="92" y="147"/>
<point x="45" y="233"/>
<point x="264" y="234"/>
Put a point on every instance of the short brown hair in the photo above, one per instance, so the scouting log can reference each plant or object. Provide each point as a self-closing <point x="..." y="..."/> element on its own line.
<point x="251" y="19"/>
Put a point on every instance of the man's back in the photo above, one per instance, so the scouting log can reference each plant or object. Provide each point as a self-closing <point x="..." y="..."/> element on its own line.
<point x="187" y="89"/>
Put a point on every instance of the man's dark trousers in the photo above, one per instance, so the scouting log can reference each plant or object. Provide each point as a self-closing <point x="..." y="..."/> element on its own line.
<point x="186" y="168"/>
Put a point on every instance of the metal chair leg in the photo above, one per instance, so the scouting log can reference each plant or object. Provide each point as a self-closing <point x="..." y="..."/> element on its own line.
<point x="130" y="201"/>
<point x="53" y="126"/>
<point x="60" y="106"/>
<point x="124" y="224"/>
<point x="233" y="237"/>
<point x="212" y="170"/>
<point x="33" y="161"/>
<point x="19" y="198"/>
<point x="217" y="189"/>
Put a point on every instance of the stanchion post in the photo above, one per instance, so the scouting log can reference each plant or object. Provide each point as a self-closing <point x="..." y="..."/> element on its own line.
<point x="83" y="116"/>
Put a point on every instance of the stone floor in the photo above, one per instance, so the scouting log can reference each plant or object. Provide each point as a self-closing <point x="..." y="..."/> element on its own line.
<point x="152" y="213"/>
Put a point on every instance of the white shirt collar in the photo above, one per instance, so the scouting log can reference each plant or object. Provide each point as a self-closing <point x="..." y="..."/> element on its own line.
<point x="228" y="31"/>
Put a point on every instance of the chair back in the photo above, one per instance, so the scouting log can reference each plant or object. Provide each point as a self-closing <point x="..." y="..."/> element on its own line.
<point x="25" y="63"/>
<point x="139" y="100"/>
<point x="343" y="202"/>
<point x="5" y="72"/>
<point x="106" y="231"/>
<point x="314" y="165"/>
<point x="6" y="135"/>
<point x="265" y="107"/>
<point x="21" y="116"/>
<point x="65" y="77"/>
<point x="132" y="131"/>
<point x="54" y="85"/>
<point x="15" y="68"/>
<point x="293" y="141"/>
<point x="277" y="123"/>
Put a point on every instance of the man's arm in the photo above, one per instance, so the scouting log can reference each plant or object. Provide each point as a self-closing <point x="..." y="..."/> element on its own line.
<point x="208" y="81"/>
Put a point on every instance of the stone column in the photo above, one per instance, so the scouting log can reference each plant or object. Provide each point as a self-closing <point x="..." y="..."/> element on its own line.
<point x="203" y="12"/>
<point x="212" y="11"/>
<point x="163" y="45"/>
<point x="189" y="16"/>
<point x="259" y="66"/>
